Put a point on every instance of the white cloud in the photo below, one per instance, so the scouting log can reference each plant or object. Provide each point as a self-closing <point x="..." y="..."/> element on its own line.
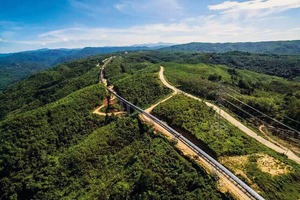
<point x="141" y="5"/>
<point x="92" y="8"/>
<point x="202" y="29"/>
<point x="154" y="8"/>
<point x="251" y="24"/>
<point x="2" y="40"/>
<point x="254" y="8"/>
<point x="80" y="5"/>
<point x="120" y="6"/>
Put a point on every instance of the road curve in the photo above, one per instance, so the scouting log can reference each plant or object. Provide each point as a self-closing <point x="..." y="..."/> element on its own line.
<point x="248" y="191"/>
<point x="224" y="181"/>
<point x="233" y="121"/>
<point x="245" y="191"/>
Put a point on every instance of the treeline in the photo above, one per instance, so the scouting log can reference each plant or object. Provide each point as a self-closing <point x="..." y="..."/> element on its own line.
<point x="271" y="47"/>
<point x="282" y="66"/>
<point x="17" y="66"/>
<point x="287" y="66"/>
<point x="126" y="65"/>
<point x="141" y="89"/>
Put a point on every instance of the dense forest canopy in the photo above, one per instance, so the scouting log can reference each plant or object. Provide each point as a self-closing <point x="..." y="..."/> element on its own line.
<point x="287" y="66"/>
<point x="48" y="86"/>
<point x="52" y="145"/>
<point x="272" y="95"/>
<point x="225" y="141"/>
<point x="272" y="47"/>
<point x="17" y="66"/>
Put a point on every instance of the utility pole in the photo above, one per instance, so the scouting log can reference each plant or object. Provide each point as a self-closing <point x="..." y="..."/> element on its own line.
<point x="219" y="99"/>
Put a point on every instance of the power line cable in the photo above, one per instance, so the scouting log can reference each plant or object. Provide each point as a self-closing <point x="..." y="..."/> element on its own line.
<point x="291" y="119"/>
<point x="263" y="113"/>
<point x="265" y="123"/>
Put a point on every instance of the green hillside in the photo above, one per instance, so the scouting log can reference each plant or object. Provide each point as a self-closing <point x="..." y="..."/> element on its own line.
<point x="275" y="96"/>
<point x="286" y="66"/>
<point x="17" y="66"/>
<point x="126" y="161"/>
<point x="272" y="47"/>
<point x="226" y="141"/>
<point x="136" y="80"/>
<point x="31" y="140"/>
<point x="53" y="147"/>
<point x="48" y="86"/>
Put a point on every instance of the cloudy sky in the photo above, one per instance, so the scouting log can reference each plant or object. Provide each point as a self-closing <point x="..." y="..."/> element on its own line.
<point x="36" y="24"/>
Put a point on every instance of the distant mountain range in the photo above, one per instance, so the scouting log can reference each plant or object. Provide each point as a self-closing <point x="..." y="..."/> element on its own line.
<point x="272" y="47"/>
<point x="16" y="66"/>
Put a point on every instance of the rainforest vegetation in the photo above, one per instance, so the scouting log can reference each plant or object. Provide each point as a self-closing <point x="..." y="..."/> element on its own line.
<point x="277" y="97"/>
<point x="49" y="86"/>
<point x="17" y="66"/>
<point x="271" y="47"/>
<point x="53" y="147"/>
<point x="136" y="80"/>
<point x="125" y="160"/>
<point x="225" y="140"/>
<point x="286" y="66"/>
<point x="30" y="141"/>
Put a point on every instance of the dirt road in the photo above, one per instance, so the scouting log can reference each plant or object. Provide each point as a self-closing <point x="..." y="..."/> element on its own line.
<point x="225" y="184"/>
<point x="233" y="121"/>
<point x="261" y="127"/>
<point x="105" y="103"/>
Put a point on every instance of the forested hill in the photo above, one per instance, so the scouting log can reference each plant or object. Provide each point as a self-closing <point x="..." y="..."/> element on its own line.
<point x="53" y="147"/>
<point x="286" y="66"/>
<point x="17" y="66"/>
<point x="272" y="47"/>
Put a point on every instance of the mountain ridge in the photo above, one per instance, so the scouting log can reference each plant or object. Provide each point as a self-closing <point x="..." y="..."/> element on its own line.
<point x="289" y="47"/>
<point x="17" y="66"/>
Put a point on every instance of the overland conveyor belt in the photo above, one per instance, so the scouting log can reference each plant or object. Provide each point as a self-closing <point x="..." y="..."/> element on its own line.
<point x="218" y="166"/>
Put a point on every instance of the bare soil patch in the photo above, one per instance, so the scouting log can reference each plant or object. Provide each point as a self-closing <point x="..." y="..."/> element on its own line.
<point x="265" y="163"/>
<point x="271" y="165"/>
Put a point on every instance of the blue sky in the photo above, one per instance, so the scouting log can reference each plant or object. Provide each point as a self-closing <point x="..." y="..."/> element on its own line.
<point x="36" y="24"/>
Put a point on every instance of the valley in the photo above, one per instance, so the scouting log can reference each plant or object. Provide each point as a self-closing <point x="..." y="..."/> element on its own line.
<point x="106" y="132"/>
<point x="254" y="134"/>
<point x="150" y="100"/>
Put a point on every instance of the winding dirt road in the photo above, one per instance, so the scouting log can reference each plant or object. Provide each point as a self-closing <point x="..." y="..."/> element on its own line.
<point x="105" y="103"/>
<point x="233" y="121"/>
<point x="261" y="127"/>
<point x="224" y="183"/>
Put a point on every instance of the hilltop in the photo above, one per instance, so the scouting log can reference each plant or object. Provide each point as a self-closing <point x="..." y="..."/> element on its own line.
<point x="17" y="66"/>
<point x="270" y="47"/>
